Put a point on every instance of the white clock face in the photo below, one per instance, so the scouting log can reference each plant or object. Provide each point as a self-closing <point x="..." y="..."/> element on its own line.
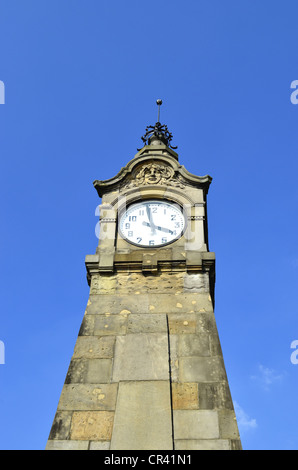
<point x="152" y="223"/>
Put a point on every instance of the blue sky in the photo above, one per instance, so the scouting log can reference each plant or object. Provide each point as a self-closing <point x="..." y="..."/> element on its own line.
<point x="81" y="80"/>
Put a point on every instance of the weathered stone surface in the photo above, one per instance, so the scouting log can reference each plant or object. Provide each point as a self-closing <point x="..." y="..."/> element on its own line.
<point x="67" y="445"/>
<point x="215" y="396"/>
<point x="196" y="283"/>
<point x="93" y="347"/>
<point x="141" y="357"/>
<point x="87" y="326"/>
<point x="177" y="302"/>
<point x="228" y="424"/>
<point x="195" y="424"/>
<point x="185" y="396"/>
<point x="110" y="324"/>
<point x="61" y="425"/>
<point x="143" y="416"/>
<point x="201" y="369"/>
<point x="88" y="397"/>
<point x="150" y="323"/>
<point x="99" y="445"/>
<point x="136" y="282"/>
<point x="236" y="444"/>
<point x="92" y="425"/>
<point x="203" y="444"/>
<point x="182" y="323"/>
<point x="194" y="345"/>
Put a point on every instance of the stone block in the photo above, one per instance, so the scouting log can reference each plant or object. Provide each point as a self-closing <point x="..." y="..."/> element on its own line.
<point x="195" y="424"/>
<point x="203" y="444"/>
<point x="228" y="424"/>
<point x="110" y="324"/>
<point x="141" y="357"/>
<point x="99" y="445"/>
<point x="88" y="397"/>
<point x="147" y="323"/>
<point x="87" y="326"/>
<point x="196" y="282"/>
<point x="185" y="396"/>
<point x="93" y="347"/>
<point x="194" y="345"/>
<point x="182" y="323"/>
<point x="89" y="371"/>
<point x="201" y="369"/>
<point x="143" y="417"/>
<point x="92" y="425"/>
<point x="61" y="425"/>
<point x="215" y="396"/>
<point x="67" y="445"/>
<point x="114" y="305"/>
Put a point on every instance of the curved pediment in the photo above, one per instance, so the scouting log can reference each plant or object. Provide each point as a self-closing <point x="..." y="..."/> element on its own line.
<point x="152" y="167"/>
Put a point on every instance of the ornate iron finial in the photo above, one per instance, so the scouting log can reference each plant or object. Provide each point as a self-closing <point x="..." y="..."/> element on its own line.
<point x="158" y="132"/>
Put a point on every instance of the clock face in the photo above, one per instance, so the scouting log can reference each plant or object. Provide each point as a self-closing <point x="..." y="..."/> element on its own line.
<point x="152" y="223"/>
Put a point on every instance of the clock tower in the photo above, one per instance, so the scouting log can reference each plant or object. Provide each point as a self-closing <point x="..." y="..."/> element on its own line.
<point x="147" y="371"/>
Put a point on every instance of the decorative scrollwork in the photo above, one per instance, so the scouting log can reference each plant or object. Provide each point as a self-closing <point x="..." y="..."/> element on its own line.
<point x="155" y="173"/>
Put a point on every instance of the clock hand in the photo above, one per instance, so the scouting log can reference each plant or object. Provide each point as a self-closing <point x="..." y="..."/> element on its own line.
<point x="149" y="214"/>
<point x="162" y="229"/>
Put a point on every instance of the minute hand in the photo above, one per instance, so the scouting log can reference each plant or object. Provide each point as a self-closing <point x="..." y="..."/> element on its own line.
<point x="162" y="229"/>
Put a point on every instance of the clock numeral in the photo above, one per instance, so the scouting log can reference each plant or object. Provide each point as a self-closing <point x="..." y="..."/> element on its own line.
<point x="165" y="211"/>
<point x="141" y="212"/>
<point x="127" y="226"/>
<point x="151" y="242"/>
<point x="154" y="210"/>
<point x="139" y="239"/>
<point x="174" y="232"/>
<point x="130" y="233"/>
<point x="173" y="217"/>
<point x="132" y="218"/>
<point x="164" y="240"/>
<point x="177" y="224"/>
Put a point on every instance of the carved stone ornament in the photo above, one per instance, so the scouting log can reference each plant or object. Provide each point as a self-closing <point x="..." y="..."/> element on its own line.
<point x="154" y="173"/>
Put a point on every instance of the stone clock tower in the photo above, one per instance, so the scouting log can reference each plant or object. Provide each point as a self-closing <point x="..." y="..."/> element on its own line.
<point x="147" y="371"/>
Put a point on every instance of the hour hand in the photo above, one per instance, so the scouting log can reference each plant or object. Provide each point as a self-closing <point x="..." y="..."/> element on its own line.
<point x="162" y="229"/>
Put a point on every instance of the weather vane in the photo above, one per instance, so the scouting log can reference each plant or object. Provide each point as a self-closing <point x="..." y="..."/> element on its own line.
<point x="159" y="131"/>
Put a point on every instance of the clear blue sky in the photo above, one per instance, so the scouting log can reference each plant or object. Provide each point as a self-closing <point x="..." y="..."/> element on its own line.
<point x="81" y="79"/>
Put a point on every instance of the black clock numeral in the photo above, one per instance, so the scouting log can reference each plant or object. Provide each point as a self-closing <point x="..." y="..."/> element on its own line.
<point x="177" y="224"/>
<point x="164" y="240"/>
<point x="154" y="210"/>
<point x="127" y="226"/>
<point x="173" y="217"/>
<point x="139" y="239"/>
<point x="132" y="218"/>
<point x="151" y="242"/>
<point x="130" y="233"/>
<point x="141" y="212"/>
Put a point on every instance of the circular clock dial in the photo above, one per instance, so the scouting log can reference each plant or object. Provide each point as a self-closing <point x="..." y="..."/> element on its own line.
<point x="152" y="223"/>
